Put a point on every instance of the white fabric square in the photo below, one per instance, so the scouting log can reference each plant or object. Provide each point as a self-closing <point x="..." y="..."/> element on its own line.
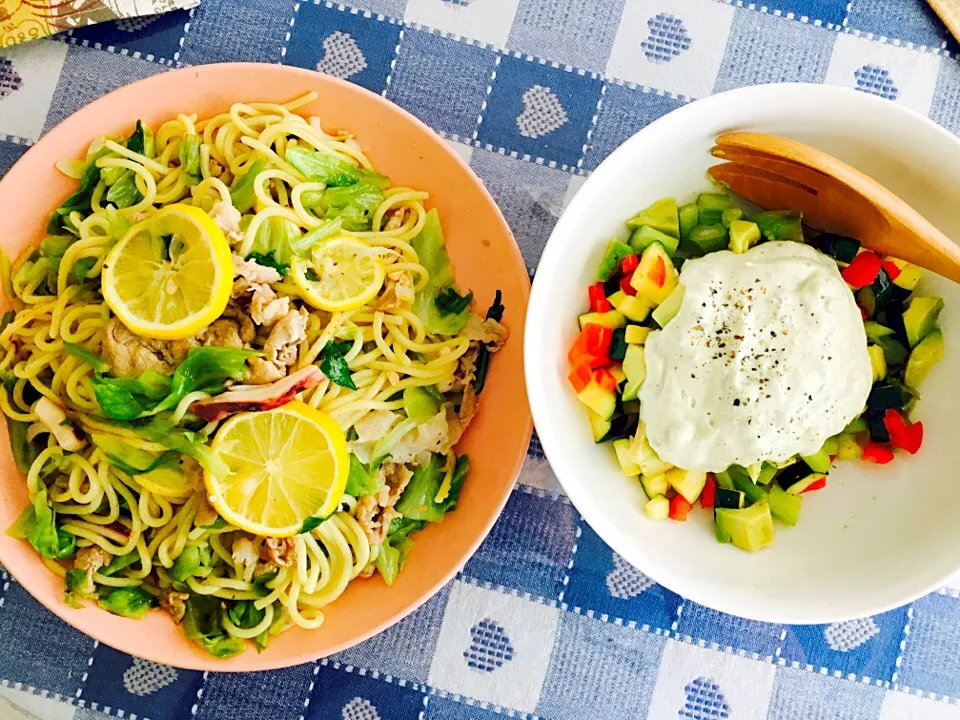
<point x="488" y="21"/>
<point x="494" y="647"/>
<point x="22" y="705"/>
<point x="28" y="79"/>
<point x="896" y="73"/>
<point x="695" y="682"/>
<point x="461" y="149"/>
<point x="673" y="45"/>
<point x="901" y="706"/>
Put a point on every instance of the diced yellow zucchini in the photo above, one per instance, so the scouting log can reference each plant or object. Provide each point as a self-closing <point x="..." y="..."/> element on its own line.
<point x="878" y="362"/>
<point x="657" y="508"/>
<point x="635" y="367"/>
<point x="687" y="482"/>
<point x="616" y="298"/>
<point x="633" y="307"/>
<point x="627" y="465"/>
<point x="655" y="276"/>
<point x="668" y="309"/>
<point x="656" y="485"/>
<point x="636" y="335"/>
<point x="910" y="274"/>
<point x="848" y="448"/>
<point x="611" y="319"/>
<point x="617" y="371"/>
<point x="602" y="402"/>
<point x="645" y="456"/>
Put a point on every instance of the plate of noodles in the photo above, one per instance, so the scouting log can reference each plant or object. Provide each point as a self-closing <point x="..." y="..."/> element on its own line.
<point x="260" y="361"/>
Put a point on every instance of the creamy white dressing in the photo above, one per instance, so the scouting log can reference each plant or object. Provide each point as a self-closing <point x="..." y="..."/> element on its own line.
<point x="767" y="358"/>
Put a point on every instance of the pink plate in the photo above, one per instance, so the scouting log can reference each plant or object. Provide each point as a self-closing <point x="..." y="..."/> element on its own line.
<point x="486" y="259"/>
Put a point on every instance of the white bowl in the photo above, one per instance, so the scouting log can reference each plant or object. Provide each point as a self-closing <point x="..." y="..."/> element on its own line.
<point x="878" y="536"/>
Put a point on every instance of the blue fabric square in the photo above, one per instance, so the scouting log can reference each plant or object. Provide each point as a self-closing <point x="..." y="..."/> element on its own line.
<point x="539" y="110"/>
<point x="864" y="647"/>
<point x="40" y="650"/>
<point x="913" y="22"/>
<point x="266" y="695"/>
<point x="88" y="74"/>
<point x="763" y="49"/>
<point x="406" y="649"/>
<point x="623" y="112"/>
<point x="441" y="81"/>
<point x="530" y="197"/>
<point x="10" y="152"/>
<point x="602" y="581"/>
<point x="138" y="686"/>
<point x="600" y="670"/>
<point x="529" y="547"/>
<point x="442" y="708"/>
<point x="155" y="37"/>
<point x="231" y="30"/>
<point x="355" y="696"/>
<point x="347" y="45"/>
<point x="827" y="11"/>
<point x="931" y="657"/>
<point x="388" y="8"/>
<point x="803" y="695"/>
<point x="945" y="107"/>
<point x="567" y="31"/>
<point x="702" y="623"/>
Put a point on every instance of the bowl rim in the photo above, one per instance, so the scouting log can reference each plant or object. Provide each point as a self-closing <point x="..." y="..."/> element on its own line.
<point x="544" y="411"/>
<point x="509" y="467"/>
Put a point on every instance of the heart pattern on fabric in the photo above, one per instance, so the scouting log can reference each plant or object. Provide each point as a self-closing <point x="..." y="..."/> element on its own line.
<point x="876" y="80"/>
<point x="134" y="24"/>
<point x="10" y="80"/>
<point x="144" y="677"/>
<point x="704" y="701"/>
<point x="849" y="635"/>
<point x="359" y="709"/>
<point x="625" y="581"/>
<point x="542" y="113"/>
<point x="342" y="57"/>
<point x="459" y="3"/>
<point x="490" y="647"/>
<point x="668" y="38"/>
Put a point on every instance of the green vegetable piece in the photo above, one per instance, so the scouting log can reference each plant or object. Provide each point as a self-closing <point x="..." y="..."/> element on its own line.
<point x="311" y="524"/>
<point x="124" y="193"/>
<point x="668" y="309"/>
<point x="304" y="244"/>
<point x="381" y="451"/>
<point x="244" y="614"/>
<point x="875" y="330"/>
<point x="83" y="355"/>
<point x="748" y="529"/>
<point x="920" y="318"/>
<point x="81" y="269"/>
<point x="662" y="216"/>
<point x="689" y="216"/>
<point x="132" y="602"/>
<point x="242" y="193"/>
<point x="730" y="215"/>
<point x="420" y="404"/>
<point x="742" y="482"/>
<point x="353" y="204"/>
<point x="129" y="398"/>
<point x="614" y="254"/>
<point x="432" y="254"/>
<point x="130" y="459"/>
<point x="924" y="356"/>
<point x="784" y="506"/>
<point x="450" y="302"/>
<point x="79" y="201"/>
<point x="206" y="369"/>
<point x="820" y="462"/>
<point x="324" y="167"/>
<point x="645" y="236"/>
<point x="203" y="623"/>
<point x="194" y="561"/>
<point x="780" y="224"/>
<point x="334" y="363"/>
<point x="119" y="563"/>
<point x="24" y="451"/>
<point x="709" y="238"/>
<point x="494" y="312"/>
<point x="743" y="235"/>
<point x="359" y="480"/>
<point x="893" y="351"/>
<point x="261" y="583"/>
<point x="55" y="246"/>
<point x="276" y="238"/>
<point x="269" y="260"/>
<point x="396" y="548"/>
<point x="189" y="154"/>
<point x="142" y="141"/>
<point x="418" y="499"/>
<point x="161" y="430"/>
<point x="37" y="525"/>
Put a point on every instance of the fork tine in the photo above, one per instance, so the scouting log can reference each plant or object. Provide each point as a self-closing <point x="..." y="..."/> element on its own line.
<point x="795" y="171"/>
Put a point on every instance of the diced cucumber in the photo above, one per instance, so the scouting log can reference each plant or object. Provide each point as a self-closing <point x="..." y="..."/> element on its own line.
<point x="793" y="474"/>
<point x="729" y="499"/>
<point x="893" y="351"/>
<point x="820" y="462"/>
<point x="645" y="456"/>
<point x="840" y="248"/>
<point x="636" y="335"/>
<point x="655" y="485"/>
<point x="627" y="465"/>
<point x="657" y="508"/>
<point x="712" y="206"/>
<point x="858" y="424"/>
<point x="784" y="506"/>
<point x="803" y="483"/>
<point x="611" y="319"/>
<point x="618" y="344"/>
<point x="748" y="529"/>
<point x="662" y="216"/>
<point x="728" y="216"/>
<point x="420" y="404"/>
<point x="602" y="402"/>
<point x="887" y="395"/>
<point x="925" y="355"/>
<point x="878" y="362"/>
<point x="709" y="238"/>
<point x="875" y="298"/>
<point x="689" y="218"/>
<point x="910" y="274"/>
<point x="723" y="479"/>
<point x="743" y="483"/>
<point x="616" y="251"/>
<point x="688" y="483"/>
<point x="635" y="367"/>
<point x="599" y="426"/>
<point x="920" y="318"/>
<point x="634" y="308"/>
<point x="655" y="277"/>
<point x="849" y="448"/>
<point x="831" y="445"/>
<point x="767" y="473"/>
<point x="743" y="235"/>
<point x="668" y="309"/>
<point x="875" y="330"/>
<point x="641" y="238"/>
<point x="780" y="225"/>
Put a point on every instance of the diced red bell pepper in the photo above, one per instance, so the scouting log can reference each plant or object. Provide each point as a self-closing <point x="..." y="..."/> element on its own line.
<point x="592" y="346"/>
<point x="626" y="286"/>
<point x="659" y="272"/>
<point x="598" y="299"/>
<point x="605" y="379"/>
<point x="863" y="270"/>
<point x="878" y="453"/>
<point x="815" y="485"/>
<point x="679" y="507"/>
<point x="905" y="436"/>
<point x="629" y="264"/>
<point x="580" y="376"/>
<point x="892" y="269"/>
<point x="709" y="492"/>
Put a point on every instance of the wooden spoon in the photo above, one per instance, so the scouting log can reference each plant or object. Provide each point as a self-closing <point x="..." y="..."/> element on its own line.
<point x="777" y="173"/>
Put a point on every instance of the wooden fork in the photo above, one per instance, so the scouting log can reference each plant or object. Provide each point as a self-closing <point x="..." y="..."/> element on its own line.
<point x="777" y="173"/>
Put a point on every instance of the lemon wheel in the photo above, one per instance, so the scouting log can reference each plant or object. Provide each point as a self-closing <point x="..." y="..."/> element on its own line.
<point x="286" y="465"/>
<point x="342" y="274"/>
<point x="170" y="275"/>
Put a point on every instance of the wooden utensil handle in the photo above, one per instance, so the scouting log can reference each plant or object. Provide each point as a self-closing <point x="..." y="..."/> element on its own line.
<point x="949" y="12"/>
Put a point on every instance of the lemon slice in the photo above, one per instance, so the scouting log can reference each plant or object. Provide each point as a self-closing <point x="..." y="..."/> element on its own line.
<point x="342" y="274"/>
<point x="170" y="275"/>
<point x="287" y="465"/>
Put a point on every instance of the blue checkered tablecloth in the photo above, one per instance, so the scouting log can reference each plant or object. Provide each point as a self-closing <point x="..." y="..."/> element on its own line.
<point x="544" y="621"/>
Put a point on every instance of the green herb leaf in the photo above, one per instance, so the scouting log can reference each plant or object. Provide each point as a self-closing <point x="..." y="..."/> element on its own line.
<point x="269" y="260"/>
<point x="79" y="201"/>
<point x="433" y="256"/>
<point x="132" y="602"/>
<point x="24" y="450"/>
<point x="276" y="236"/>
<point x="119" y="563"/>
<point x="494" y="312"/>
<point x="450" y="302"/>
<point x="124" y="193"/>
<point x="334" y="365"/>
<point x="244" y="614"/>
<point x="141" y="141"/>
<point x="217" y="524"/>
<point x="81" y="268"/>
<point x="83" y="355"/>
<point x="260" y="583"/>
<point x="241" y="194"/>
<point x="311" y="523"/>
